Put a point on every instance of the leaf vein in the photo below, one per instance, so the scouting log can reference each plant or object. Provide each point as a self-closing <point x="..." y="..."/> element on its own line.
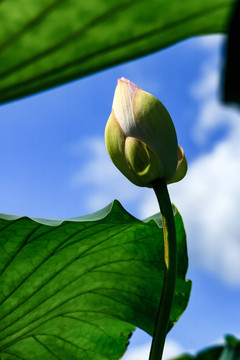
<point x="46" y="348"/>
<point x="43" y="262"/>
<point x="57" y="306"/>
<point x="19" y="249"/>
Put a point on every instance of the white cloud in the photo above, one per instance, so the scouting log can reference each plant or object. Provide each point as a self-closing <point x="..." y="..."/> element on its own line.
<point x="209" y="200"/>
<point x="212" y="113"/>
<point x="209" y="197"/>
<point x="138" y="353"/>
<point x="211" y="42"/>
<point x="172" y="349"/>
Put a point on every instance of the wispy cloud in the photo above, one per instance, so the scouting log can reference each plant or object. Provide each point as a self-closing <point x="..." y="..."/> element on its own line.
<point x="207" y="91"/>
<point x="211" y="42"/>
<point x="209" y="197"/>
<point x="172" y="349"/>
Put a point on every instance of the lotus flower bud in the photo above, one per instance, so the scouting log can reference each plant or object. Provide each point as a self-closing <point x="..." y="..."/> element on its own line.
<point x="141" y="139"/>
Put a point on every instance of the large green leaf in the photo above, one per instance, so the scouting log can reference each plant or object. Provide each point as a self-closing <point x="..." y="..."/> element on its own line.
<point x="229" y="351"/>
<point x="49" y="42"/>
<point x="76" y="289"/>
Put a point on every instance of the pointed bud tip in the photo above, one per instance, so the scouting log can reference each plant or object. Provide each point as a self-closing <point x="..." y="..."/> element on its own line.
<point x="133" y="87"/>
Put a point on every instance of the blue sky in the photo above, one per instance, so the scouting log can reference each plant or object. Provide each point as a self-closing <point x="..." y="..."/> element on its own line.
<point x="54" y="165"/>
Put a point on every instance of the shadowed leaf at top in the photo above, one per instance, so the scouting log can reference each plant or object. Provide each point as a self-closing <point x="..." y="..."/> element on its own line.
<point x="76" y="289"/>
<point x="49" y="42"/>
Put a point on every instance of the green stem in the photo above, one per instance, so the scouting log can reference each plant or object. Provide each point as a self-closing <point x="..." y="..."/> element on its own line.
<point x="170" y="258"/>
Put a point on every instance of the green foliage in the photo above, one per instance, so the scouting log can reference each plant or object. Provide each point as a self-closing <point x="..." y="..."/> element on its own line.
<point x="49" y="42"/>
<point x="75" y="289"/>
<point x="230" y="351"/>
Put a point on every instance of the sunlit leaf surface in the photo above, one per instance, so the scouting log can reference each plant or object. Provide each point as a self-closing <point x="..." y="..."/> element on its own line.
<point x="76" y="289"/>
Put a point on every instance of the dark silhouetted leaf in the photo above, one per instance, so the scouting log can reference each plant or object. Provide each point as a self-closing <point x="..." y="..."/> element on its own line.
<point x="232" y="68"/>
